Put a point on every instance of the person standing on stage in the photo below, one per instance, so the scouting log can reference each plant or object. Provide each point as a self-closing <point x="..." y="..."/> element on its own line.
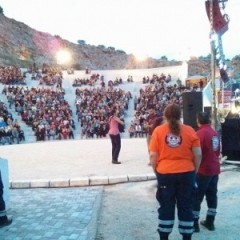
<point x="207" y="176"/>
<point x="114" y="134"/>
<point x="175" y="155"/>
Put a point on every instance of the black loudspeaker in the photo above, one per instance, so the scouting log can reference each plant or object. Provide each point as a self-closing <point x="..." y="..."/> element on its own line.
<point x="231" y="138"/>
<point x="192" y="104"/>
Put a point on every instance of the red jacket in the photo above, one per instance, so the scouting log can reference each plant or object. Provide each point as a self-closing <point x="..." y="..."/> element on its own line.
<point x="210" y="145"/>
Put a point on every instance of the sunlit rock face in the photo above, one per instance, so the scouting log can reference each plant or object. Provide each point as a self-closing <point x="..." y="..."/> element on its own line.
<point x="22" y="45"/>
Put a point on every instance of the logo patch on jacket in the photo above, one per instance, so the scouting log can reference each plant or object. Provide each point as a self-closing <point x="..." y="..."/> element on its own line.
<point x="215" y="143"/>
<point x="173" y="141"/>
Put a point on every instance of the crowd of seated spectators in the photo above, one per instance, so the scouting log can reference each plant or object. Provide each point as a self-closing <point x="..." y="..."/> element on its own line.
<point x="10" y="131"/>
<point x="78" y="82"/>
<point x="130" y="79"/>
<point x="137" y="129"/>
<point x="12" y="75"/>
<point x="47" y="75"/>
<point x="155" y="77"/>
<point x="45" y="110"/>
<point x="49" y="115"/>
<point x="93" y="107"/>
<point x="158" y="94"/>
<point x="51" y="79"/>
<point x="116" y="82"/>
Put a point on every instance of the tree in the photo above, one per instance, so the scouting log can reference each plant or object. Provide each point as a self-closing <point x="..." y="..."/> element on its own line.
<point x="120" y="51"/>
<point x="101" y="46"/>
<point x="1" y="10"/>
<point x="81" y="42"/>
<point x="111" y="48"/>
<point x="164" y="58"/>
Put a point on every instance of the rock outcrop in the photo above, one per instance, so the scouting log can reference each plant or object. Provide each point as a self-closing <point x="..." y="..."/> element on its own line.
<point x="23" y="45"/>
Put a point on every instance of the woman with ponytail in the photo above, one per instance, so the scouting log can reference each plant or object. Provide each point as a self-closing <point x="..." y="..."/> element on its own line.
<point x="175" y="156"/>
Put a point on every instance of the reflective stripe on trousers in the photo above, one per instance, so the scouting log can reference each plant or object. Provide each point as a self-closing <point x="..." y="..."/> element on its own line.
<point x="175" y="190"/>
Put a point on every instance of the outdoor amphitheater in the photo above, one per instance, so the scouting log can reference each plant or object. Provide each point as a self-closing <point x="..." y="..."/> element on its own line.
<point x="81" y="157"/>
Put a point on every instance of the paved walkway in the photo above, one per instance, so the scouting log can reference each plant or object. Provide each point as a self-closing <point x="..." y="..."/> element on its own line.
<point x="53" y="214"/>
<point x="42" y="211"/>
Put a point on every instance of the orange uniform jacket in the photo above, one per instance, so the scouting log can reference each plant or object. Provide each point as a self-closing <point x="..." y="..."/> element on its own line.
<point x="174" y="152"/>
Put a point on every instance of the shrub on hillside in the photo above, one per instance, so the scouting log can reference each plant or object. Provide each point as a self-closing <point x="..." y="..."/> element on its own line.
<point x="81" y="42"/>
<point x="1" y="10"/>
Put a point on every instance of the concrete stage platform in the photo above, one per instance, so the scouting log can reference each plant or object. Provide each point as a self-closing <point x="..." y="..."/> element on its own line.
<point x="75" y="163"/>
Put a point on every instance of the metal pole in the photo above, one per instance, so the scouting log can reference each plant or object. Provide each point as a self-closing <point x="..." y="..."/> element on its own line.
<point x="214" y="110"/>
<point x="222" y="94"/>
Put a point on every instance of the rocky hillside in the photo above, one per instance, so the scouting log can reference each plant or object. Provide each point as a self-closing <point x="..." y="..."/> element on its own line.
<point x="23" y="46"/>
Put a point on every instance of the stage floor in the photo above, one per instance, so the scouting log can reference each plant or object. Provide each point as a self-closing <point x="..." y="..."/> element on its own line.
<point x="74" y="159"/>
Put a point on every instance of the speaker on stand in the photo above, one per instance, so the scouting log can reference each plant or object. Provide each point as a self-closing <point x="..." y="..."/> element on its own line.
<point x="231" y="138"/>
<point x="192" y="104"/>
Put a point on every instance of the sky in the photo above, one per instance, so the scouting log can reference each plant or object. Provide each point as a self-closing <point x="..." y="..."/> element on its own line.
<point x="146" y="28"/>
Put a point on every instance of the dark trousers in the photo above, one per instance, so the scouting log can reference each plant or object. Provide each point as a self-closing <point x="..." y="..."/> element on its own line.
<point x="116" y="146"/>
<point x="2" y="203"/>
<point x="175" y="189"/>
<point x="207" y="186"/>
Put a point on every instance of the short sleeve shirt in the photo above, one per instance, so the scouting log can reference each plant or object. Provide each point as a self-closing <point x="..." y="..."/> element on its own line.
<point x="113" y="124"/>
<point x="175" y="153"/>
